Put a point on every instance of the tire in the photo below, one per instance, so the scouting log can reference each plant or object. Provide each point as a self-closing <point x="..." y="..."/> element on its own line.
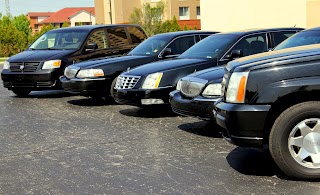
<point x="294" y="141"/>
<point x="21" y="93"/>
<point x="112" y="90"/>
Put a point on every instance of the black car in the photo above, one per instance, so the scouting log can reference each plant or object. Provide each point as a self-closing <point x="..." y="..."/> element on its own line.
<point x="200" y="104"/>
<point x="152" y="83"/>
<point x="96" y="78"/>
<point x="273" y="99"/>
<point x="40" y="66"/>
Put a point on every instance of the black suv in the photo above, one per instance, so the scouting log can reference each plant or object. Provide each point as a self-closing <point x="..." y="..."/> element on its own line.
<point x="152" y="83"/>
<point x="209" y="81"/>
<point x="96" y="78"/>
<point x="40" y="66"/>
<point x="273" y="99"/>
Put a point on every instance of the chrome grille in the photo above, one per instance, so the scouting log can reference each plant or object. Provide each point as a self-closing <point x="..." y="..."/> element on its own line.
<point x="224" y="82"/>
<point x="24" y="66"/>
<point x="126" y="82"/>
<point x="71" y="71"/>
<point x="190" y="88"/>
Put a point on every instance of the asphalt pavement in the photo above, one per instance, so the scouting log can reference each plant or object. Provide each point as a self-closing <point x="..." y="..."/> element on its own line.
<point x="55" y="143"/>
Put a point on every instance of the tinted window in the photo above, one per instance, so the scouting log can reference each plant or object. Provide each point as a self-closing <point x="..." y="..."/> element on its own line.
<point x="278" y="37"/>
<point x="301" y="38"/>
<point x="60" y="40"/>
<point x="204" y="36"/>
<point x="252" y="44"/>
<point x="198" y="38"/>
<point x="180" y="45"/>
<point x="98" y="37"/>
<point x="117" y="37"/>
<point x="151" y="46"/>
<point x="137" y="35"/>
<point x="211" y="47"/>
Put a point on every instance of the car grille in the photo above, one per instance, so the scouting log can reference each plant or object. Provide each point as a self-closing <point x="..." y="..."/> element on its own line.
<point x="24" y="66"/>
<point x="126" y="82"/>
<point x="71" y="71"/>
<point x="224" y="83"/>
<point x="190" y="88"/>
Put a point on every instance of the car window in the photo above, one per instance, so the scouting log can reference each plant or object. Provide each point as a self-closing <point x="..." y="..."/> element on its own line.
<point x="98" y="37"/>
<point x="197" y="38"/>
<point x="117" y="37"/>
<point x="251" y="45"/>
<point x="137" y="35"/>
<point x="301" y="38"/>
<point x="151" y="46"/>
<point x="180" y="45"/>
<point x="60" y="40"/>
<point x="203" y="36"/>
<point x="278" y="37"/>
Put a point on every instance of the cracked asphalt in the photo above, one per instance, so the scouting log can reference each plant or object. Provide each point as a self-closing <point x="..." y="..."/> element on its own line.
<point x="54" y="143"/>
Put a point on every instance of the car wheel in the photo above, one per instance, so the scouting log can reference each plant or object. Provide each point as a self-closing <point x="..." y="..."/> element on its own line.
<point x="294" y="141"/>
<point x="112" y="90"/>
<point x="21" y="93"/>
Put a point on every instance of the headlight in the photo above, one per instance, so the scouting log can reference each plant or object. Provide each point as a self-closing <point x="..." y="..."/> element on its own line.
<point x="51" y="64"/>
<point x="236" y="89"/>
<point x="89" y="73"/>
<point x="152" y="81"/>
<point x="212" y="90"/>
<point x="179" y="85"/>
<point x="71" y="71"/>
<point x="6" y="65"/>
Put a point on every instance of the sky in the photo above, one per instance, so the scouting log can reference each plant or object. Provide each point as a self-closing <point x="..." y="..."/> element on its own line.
<point x="18" y="7"/>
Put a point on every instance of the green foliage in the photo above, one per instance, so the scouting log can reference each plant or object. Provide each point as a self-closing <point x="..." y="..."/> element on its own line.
<point x="65" y="24"/>
<point x="43" y="30"/>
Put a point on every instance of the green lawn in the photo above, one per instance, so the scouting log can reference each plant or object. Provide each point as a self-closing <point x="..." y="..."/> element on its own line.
<point x="2" y="59"/>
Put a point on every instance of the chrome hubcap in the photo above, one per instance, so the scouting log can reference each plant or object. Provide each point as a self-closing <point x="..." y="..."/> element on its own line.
<point x="304" y="143"/>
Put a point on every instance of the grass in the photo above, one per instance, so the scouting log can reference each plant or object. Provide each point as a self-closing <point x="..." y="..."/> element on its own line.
<point x="2" y="59"/>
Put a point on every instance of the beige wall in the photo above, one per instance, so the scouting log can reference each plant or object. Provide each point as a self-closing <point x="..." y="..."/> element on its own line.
<point x="82" y="17"/>
<point x="122" y="9"/>
<point x="230" y="15"/>
<point x="313" y="13"/>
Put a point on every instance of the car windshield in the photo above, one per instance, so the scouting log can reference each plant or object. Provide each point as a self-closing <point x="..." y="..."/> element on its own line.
<point x="210" y="47"/>
<point x="301" y="38"/>
<point x="151" y="46"/>
<point x="59" y="40"/>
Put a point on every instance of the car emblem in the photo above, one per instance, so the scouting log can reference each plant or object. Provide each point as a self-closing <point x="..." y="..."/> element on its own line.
<point x="21" y="67"/>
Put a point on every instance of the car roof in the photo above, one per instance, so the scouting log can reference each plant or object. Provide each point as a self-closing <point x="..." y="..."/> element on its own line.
<point x="310" y="29"/>
<point x="92" y="27"/>
<point x="188" y="32"/>
<point x="251" y="31"/>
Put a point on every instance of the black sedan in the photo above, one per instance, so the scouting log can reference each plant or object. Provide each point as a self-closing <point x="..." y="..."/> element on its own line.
<point x="201" y="104"/>
<point x="96" y="78"/>
<point x="151" y="83"/>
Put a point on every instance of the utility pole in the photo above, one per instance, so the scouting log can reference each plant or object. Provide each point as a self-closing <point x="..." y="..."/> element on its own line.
<point x="7" y="8"/>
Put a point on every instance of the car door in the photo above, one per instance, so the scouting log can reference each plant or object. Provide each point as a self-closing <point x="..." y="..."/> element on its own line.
<point x="248" y="45"/>
<point x="179" y="45"/>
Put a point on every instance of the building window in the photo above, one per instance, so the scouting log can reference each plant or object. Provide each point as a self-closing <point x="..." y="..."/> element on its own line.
<point x="184" y="13"/>
<point x="198" y="13"/>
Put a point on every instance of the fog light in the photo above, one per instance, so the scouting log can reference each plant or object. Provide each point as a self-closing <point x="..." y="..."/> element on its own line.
<point x="151" y="101"/>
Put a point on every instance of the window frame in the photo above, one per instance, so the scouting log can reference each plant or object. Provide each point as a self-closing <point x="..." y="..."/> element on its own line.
<point x="184" y="17"/>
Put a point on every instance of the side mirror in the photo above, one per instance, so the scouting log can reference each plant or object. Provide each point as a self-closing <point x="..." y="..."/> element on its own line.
<point x="166" y="52"/>
<point x="91" y="47"/>
<point x="235" y="54"/>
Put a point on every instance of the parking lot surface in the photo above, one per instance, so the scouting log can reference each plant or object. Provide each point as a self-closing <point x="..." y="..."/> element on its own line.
<point x="54" y="143"/>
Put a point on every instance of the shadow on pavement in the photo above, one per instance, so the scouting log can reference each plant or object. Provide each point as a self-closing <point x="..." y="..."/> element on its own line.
<point x="92" y="102"/>
<point x="203" y="128"/>
<point x="250" y="161"/>
<point x="155" y="111"/>
<point x="45" y="94"/>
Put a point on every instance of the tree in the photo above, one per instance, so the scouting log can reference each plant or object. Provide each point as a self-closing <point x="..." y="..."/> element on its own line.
<point x="65" y="24"/>
<point x="43" y="30"/>
<point x="150" y="18"/>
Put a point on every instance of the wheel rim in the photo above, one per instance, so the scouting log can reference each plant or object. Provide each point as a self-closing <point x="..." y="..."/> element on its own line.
<point x="304" y="143"/>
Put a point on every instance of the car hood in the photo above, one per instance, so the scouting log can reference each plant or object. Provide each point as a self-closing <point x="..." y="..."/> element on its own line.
<point x="133" y="60"/>
<point x="40" y="55"/>
<point x="210" y="74"/>
<point x="164" y="66"/>
<point x="274" y="58"/>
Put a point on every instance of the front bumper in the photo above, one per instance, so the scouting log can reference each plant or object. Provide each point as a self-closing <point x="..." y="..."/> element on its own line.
<point x="34" y="81"/>
<point x="244" y="123"/>
<point x="199" y="107"/>
<point x="135" y="96"/>
<point x="87" y="87"/>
